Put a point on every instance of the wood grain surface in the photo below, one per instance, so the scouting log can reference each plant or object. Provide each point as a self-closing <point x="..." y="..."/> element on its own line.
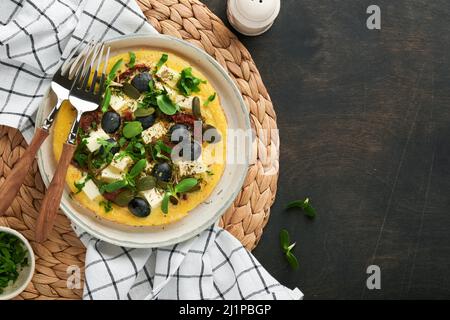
<point x="364" y="126"/>
<point x="52" y="199"/>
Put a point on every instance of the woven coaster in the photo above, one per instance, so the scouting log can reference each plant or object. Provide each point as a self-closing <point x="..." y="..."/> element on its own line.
<point x="193" y="21"/>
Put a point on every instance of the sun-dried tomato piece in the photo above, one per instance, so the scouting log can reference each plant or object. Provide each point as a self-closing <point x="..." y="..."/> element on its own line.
<point x="184" y="118"/>
<point x="141" y="67"/>
<point x="127" y="115"/>
<point x="111" y="196"/>
<point x="88" y="119"/>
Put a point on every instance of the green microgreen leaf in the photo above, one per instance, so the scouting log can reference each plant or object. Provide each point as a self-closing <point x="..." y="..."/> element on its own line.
<point x="210" y="99"/>
<point x="287" y="248"/>
<point x="185" y="185"/>
<point x="166" y="105"/>
<point x="188" y="83"/>
<point x="13" y="257"/>
<point x="132" y="59"/>
<point x="292" y="260"/>
<point x="137" y="168"/>
<point x="284" y="239"/>
<point x="162" y="61"/>
<point x="305" y="205"/>
<point x="165" y="202"/>
<point x="107" y="205"/>
<point x="113" y="71"/>
<point x="132" y="129"/>
<point x="106" y="99"/>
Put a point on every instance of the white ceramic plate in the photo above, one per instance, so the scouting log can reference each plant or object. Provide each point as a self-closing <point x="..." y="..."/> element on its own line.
<point x="207" y="213"/>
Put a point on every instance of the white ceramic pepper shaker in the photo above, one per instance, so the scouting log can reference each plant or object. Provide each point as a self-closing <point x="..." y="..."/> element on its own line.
<point x="252" y="17"/>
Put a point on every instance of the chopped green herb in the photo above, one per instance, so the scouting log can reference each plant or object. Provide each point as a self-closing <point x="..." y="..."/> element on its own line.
<point x="185" y="185"/>
<point x="161" y="61"/>
<point x="107" y="205"/>
<point x="132" y="129"/>
<point x="137" y="168"/>
<point x="80" y="186"/>
<point x="113" y="186"/>
<point x="132" y="59"/>
<point x="113" y="71"/>
<point x="165" y="202"/>
<point x="159" y="148"/>
<point x="287" y="247"/>
<point x="166" y="105"/>
<point x="188" y="83"/>
<point x="106" y="99"/>
<point x="305" y="205"/>
<point x="210" y="99"/>
<point x="13" y="257"/>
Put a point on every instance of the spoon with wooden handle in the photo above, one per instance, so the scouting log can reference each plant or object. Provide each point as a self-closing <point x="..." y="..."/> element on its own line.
<point x="83" y="98"/>
<point x="60" y="85"/>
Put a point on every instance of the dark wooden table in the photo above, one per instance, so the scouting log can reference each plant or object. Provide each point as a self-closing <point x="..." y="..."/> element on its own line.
<point x="364" y="118"/>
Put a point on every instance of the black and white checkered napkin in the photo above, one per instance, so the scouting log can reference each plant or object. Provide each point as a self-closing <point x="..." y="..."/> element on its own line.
<point x="35" y="36"/>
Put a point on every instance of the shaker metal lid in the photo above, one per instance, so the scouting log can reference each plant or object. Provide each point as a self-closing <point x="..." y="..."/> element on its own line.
<point x="255" y="12"/>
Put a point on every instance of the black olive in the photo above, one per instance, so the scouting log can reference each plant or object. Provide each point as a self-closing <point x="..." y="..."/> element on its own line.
<point x="211" y="134"/>
<point x="111" y="122"/>
<point x="141" y="80"/>
<point x="139" y="207"/>
<point x="147" y="121"/>
<point x="113" y="150"/>
<point x="179" y="132"/>
<point x="162" y="172"/>
<point x="194" y="152"/>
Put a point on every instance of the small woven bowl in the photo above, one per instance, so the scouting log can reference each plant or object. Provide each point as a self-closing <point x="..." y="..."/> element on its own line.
<point x="25" y="274"/>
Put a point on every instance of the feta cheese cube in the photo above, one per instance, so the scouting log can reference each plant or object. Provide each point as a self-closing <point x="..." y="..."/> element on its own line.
<point x="89" y="187"/>
<point x="153" y="197"/>
<point x="121" y="103"/>
<point x="92" y="140"/>
<point x="168" y="76"/>
<point x="184" y="102"/>
<point x="109" y="175"/>
<point x="155" y="132"/>
<point x="90" y="190"/>
<point x="189" y="168"/>
<point x="121" y="163"/>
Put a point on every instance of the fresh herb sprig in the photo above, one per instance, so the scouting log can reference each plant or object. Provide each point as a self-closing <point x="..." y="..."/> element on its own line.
<point x="305" y="205"/>
<point x="188" y="83"/>
<point x="111" y="76"/>
<point x="287" y="248"/>
<point x="162" y="61"/>
<point x="158" y="148"/>
<point x="132" y="60"/>
<point x="183" y="186"/>
<point x="211" y="98"/>
<point x="13" y="257"/>
<point x="129" y="179"/>
<point x="107" y="205"/>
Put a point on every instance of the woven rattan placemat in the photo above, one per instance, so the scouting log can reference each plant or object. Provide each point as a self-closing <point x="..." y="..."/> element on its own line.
<point x="193" y="21"/>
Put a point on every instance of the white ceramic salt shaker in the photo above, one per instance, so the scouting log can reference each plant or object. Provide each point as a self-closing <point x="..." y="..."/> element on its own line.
<point x="252" y="17"/>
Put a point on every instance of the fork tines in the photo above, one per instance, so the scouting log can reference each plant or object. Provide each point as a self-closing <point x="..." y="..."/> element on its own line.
<point x="86" y="81"/>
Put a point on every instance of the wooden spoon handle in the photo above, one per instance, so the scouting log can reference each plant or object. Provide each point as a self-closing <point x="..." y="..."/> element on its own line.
<point x="11" y="186"/>
<point x="52" y="199"/>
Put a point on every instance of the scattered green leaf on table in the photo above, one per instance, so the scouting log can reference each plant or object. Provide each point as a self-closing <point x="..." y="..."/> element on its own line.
<point x="287" y="248"/>
<point x="305" y="205"/>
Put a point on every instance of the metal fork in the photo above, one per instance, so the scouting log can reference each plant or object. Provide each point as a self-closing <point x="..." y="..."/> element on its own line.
<point x="84" y="96"/>
<point x="60" y="85"/>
